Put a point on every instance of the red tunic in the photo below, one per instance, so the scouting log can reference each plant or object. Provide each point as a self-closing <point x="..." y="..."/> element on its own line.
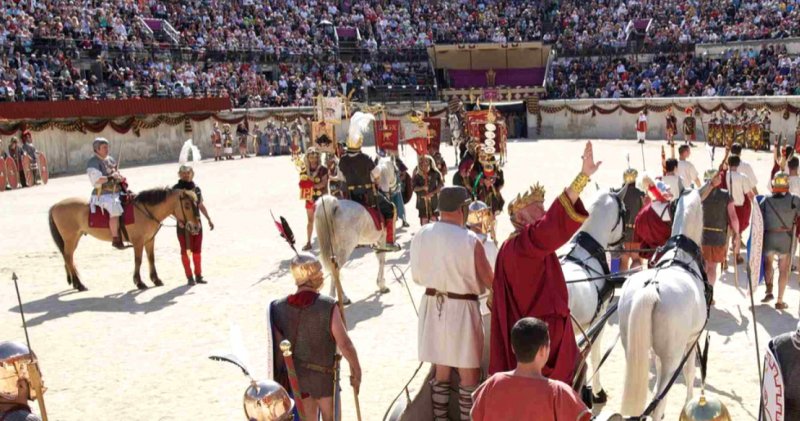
<point x="505" y="396"/>
<point x="528" y="281"/>
<point x="650" y="230"/>
<point x="743" y="213"/>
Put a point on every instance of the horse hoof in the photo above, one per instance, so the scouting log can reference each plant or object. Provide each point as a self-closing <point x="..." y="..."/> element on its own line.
<point x="81" y="288"/>
<point x="141" y="286"/>
<point x="600" y="398"/>
<point x="347" y="301"/>
<point x="384" y="290"/>
<point x="157" y="282"/>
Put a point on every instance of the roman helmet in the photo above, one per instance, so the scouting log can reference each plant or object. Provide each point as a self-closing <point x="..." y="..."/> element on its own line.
<point x="705" y="408"/>
<point x="480" y="217"/>
<point x="629" y="176"/>
<point x="305" y="268"/>
<point x="359" y="125"/>
<point x="780" y="183"/>
<point x="17" y="362"/>
<point x="266" y="400"/>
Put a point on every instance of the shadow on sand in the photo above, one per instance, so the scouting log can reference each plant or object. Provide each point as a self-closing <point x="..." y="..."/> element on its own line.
<point x="54" y="307"/>
<point x="365" y="309"/>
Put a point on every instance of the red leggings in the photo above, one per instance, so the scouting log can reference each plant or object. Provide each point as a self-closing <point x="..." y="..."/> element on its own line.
<point x="195" y="245"/>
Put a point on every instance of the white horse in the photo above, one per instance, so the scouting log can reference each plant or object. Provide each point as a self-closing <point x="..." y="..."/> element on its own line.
<point x="605" y="225"/>
<point x="344" y="224"/>
<point x="664" y="309"/>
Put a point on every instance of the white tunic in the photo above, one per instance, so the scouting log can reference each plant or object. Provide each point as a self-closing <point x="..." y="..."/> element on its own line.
<point x="450" y="331"/>
<point x="739" y="185"/>
<point x="747" y="170"/>
<point x="675" y="184"/>
<point x="687" y="172"/>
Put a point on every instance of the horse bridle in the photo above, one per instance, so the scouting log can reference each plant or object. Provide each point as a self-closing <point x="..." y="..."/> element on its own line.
<point x="622" y="215"/>
<point x="195" y="208"/>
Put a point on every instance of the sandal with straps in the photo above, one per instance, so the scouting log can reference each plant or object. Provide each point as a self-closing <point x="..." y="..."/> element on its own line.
<point x="781" y="305"/>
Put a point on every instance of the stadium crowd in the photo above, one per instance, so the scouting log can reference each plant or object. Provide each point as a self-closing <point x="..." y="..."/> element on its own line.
<point x="42" y="43"/>
<point x="768" y="71"/>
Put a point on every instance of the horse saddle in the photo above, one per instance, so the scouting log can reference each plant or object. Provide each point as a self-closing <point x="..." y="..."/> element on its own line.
<point x="377" y="217"/>
<point x="99" y="219"/>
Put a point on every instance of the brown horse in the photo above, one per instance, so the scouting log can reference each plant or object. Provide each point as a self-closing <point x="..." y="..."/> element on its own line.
<point x="69" y="219"/>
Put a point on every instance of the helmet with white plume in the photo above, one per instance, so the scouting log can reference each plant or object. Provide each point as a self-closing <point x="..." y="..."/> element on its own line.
<point x="359" y="125"/>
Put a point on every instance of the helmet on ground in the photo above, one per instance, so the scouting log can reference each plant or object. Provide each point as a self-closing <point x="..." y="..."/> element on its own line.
<point x="705" y="408"/>
<point x="266" y="400"/>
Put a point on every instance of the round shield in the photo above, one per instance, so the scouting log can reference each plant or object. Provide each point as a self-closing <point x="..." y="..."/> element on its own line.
<point x="44" y="171"/>
<point x="2" y="174"/>
<point x="491" y="127"/>
<point x="12" y="173"/>
<point x="27" y="171"/>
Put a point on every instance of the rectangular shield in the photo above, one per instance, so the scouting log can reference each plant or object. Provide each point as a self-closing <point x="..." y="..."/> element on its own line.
<point x="755" y="245"/>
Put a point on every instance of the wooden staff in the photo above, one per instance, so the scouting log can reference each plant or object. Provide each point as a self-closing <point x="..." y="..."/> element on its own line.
<point x="286" y="348"/>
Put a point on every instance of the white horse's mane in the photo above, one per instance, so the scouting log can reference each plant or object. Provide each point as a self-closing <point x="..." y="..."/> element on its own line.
<point x="601" y="216"/>
<point x="688" y="218"/>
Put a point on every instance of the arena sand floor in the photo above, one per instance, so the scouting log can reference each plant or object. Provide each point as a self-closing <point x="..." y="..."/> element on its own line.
<point x="117" y="353"/>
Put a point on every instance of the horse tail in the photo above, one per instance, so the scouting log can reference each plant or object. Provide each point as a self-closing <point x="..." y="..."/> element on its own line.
<point x="57" y="238"/>
<point x="324" y="215"/>
<point x="639" y="340"/>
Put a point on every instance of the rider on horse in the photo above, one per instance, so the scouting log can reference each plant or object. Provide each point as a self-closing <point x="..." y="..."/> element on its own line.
<point x="360" y="173"/>
<point x="107" y="182"/>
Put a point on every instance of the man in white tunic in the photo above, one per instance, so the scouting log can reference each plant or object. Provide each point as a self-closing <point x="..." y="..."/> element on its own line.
<point x="106" y="179"/>
<point x="450" y="262"/>
<point x="686" y="169"/>
<point x="742" y="190"/>
<point x="674" y="181"/>
<point x="744" y="167"/>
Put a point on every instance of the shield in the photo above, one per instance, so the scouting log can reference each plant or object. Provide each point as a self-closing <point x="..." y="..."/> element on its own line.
<point x="44" y="170"/>
<point x="2" y="175"/>
<point x="755" y="245"/>
<point x="27" y="170"/>
<point x="773" y="388"/>
<point x="408" y="187"/>
<point x="12" y="173"/>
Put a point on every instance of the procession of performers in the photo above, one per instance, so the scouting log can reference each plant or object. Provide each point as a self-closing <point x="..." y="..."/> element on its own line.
<point x="751" y="129"/>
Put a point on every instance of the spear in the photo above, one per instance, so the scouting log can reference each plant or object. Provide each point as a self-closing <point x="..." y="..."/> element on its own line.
<point x="35" y="373"/>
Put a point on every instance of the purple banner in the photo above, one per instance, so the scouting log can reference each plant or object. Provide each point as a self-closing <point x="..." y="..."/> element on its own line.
<point x="153" y="24"/>
<point x="502" y="77"/>
<point x="641" y="24"/>
<point x="346" y="32"/>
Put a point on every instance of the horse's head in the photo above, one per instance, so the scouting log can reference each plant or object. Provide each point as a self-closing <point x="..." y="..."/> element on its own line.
<point x="606" y="221"/>
<point x="187" y="211"/>
<point x="387" y="169"/>
<point x="688" y="219"/>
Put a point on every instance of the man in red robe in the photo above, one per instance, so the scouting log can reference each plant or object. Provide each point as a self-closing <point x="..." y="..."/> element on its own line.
<point x="528" y="280"/>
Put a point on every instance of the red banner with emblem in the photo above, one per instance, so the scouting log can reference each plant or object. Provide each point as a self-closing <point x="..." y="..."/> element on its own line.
<point x="434" y="132"/>
<point x="387" y="134"/>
